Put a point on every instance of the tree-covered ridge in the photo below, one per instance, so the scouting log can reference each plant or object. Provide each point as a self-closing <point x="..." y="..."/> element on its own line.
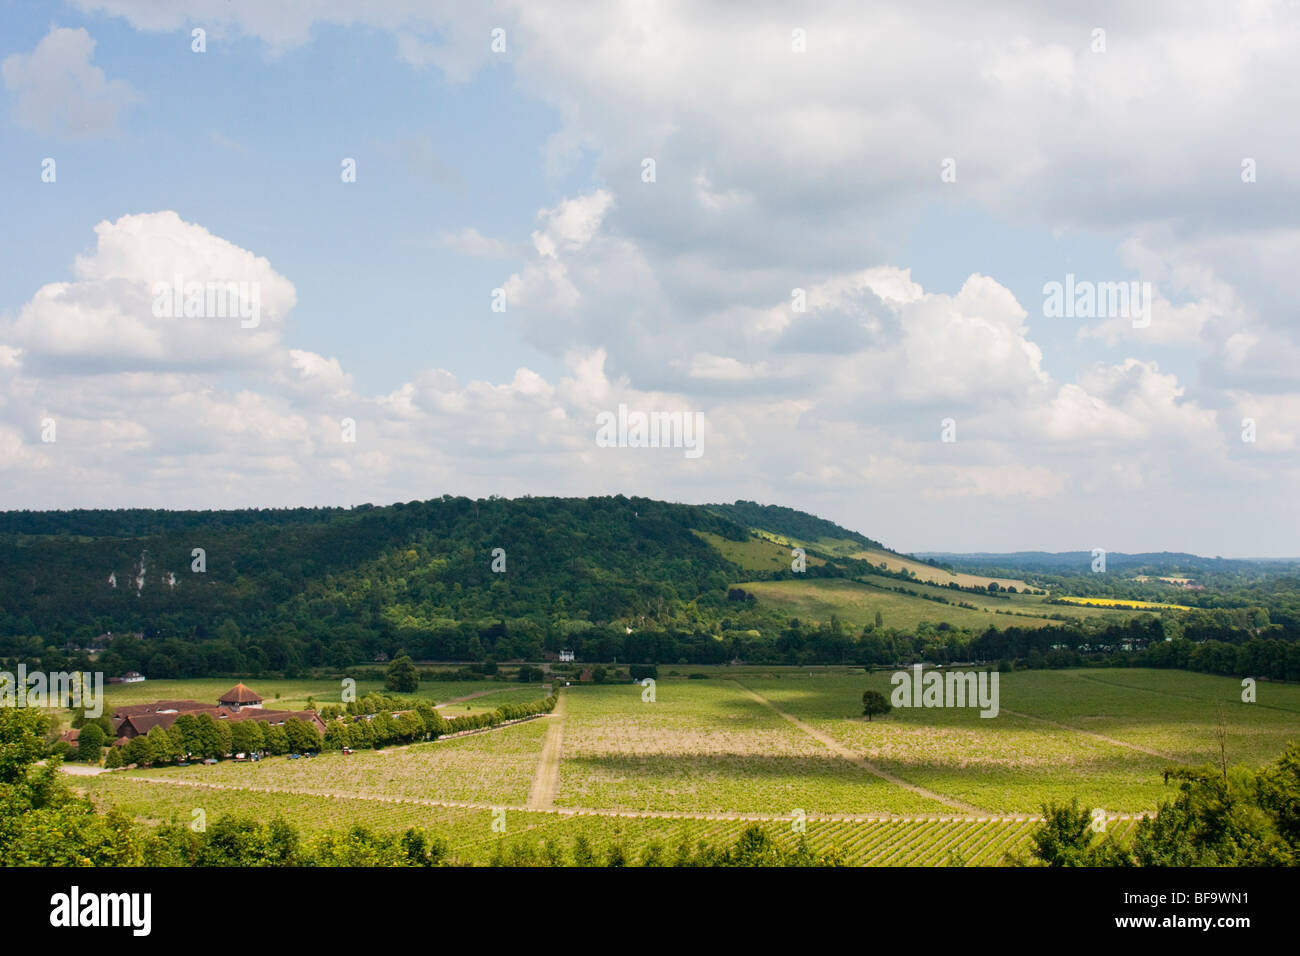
<point x="147" y="522"/>
<point x="609" y="578"/>
<point x="348" y="575"/>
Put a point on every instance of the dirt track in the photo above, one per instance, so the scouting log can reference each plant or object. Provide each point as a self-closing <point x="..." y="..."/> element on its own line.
<point x="547" y="778"/>
<point x="857" y="759"/>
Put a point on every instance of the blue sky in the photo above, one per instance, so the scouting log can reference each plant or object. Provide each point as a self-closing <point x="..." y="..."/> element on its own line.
<point x="249" y="144"/>
<point x="776" y="169"/>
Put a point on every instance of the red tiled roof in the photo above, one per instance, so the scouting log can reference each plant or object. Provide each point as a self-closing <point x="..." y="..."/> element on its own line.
<point x="132" y="710"/>
<point x="240" y="694"/>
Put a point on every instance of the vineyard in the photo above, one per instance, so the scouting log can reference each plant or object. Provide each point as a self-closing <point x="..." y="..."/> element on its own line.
<point x="472" y="840"/>
<point x="706" y="758"/>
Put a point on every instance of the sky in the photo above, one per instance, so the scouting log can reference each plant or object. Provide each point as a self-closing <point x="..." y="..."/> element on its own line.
<point x="840" y="238"/>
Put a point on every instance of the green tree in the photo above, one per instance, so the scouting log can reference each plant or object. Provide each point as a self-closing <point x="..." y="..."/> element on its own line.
<point x="245" y="737"/>
<point x="187" y="736"/>
<point x="90" y="744"/>
<point x="302" y="737"/>
<point x="276" y="740"/>
<point x="874" y="703"/>
<point x="22" y="741"/>
<point x="164" y="744"/>
<point x="1065" y="835"/>
<point x="402" y="677"/>
<point x="138" y="750"/>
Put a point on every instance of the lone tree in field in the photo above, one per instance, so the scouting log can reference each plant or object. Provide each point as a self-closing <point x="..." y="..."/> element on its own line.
<point x="874" y="702"/>
<point x="402" y="676"/>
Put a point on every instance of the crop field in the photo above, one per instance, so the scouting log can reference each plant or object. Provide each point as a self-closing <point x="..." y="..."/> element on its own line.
<point x="926" y="572"/>
<point x="471" y="838"/>
<point x="706" y="758"/>
<point x="705" y="745"/>
<point x="1120" y="602"/>
<point x="856" y="604"/>
<point x="491" y="768"/>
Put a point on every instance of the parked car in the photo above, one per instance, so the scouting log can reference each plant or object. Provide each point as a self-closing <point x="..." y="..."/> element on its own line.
<point x="295" y="756"/>
<point x="210" y="761"/>
<point x="348" y="750"/>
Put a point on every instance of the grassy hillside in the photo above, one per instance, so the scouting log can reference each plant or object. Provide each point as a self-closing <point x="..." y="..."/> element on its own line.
<point x="931" y="574"/>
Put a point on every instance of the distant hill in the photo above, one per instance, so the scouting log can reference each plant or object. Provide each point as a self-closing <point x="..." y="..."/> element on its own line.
<point x="1067" y="561"/>
<point x="270" y="591"/>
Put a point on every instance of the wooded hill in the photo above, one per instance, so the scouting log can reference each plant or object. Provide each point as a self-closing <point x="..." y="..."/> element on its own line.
<point x="632" y="579"/>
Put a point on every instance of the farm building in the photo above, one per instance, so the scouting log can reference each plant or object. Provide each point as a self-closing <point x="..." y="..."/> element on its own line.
<point x="238" y="703"/>
<point x="239" y="697"/>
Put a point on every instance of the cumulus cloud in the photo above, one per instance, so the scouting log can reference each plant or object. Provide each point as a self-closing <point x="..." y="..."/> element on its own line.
<point x="56" y="90"/>
<point x="129" y="307"/>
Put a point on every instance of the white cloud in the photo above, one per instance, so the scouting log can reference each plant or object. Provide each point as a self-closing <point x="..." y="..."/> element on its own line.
<point x="778" y="171"/>
<point x="471" y="242"/>
<point x="57" y="91"/>
<point x="106" y="319"/>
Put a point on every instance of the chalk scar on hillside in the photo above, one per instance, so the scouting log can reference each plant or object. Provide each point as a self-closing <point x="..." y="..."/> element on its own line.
<point x="857" y="759"/>
<point x="546" y="780"/>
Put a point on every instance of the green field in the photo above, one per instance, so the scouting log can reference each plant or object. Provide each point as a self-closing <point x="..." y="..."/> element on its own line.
<point x="921" y="786"/>
<point x="755" y="553"/>
<point x="856" y="604"/>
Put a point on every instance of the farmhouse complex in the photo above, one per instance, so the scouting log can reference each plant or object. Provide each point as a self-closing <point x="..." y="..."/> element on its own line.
<point x="238" y="703"/>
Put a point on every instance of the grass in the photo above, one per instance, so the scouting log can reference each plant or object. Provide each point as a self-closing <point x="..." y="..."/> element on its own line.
<point x="755" y="553"/>
<point x="856" y="603"/>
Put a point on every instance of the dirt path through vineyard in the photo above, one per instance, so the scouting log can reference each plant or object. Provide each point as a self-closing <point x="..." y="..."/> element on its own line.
<point x="857" y="759"/>
<point x="547" y="779"/>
